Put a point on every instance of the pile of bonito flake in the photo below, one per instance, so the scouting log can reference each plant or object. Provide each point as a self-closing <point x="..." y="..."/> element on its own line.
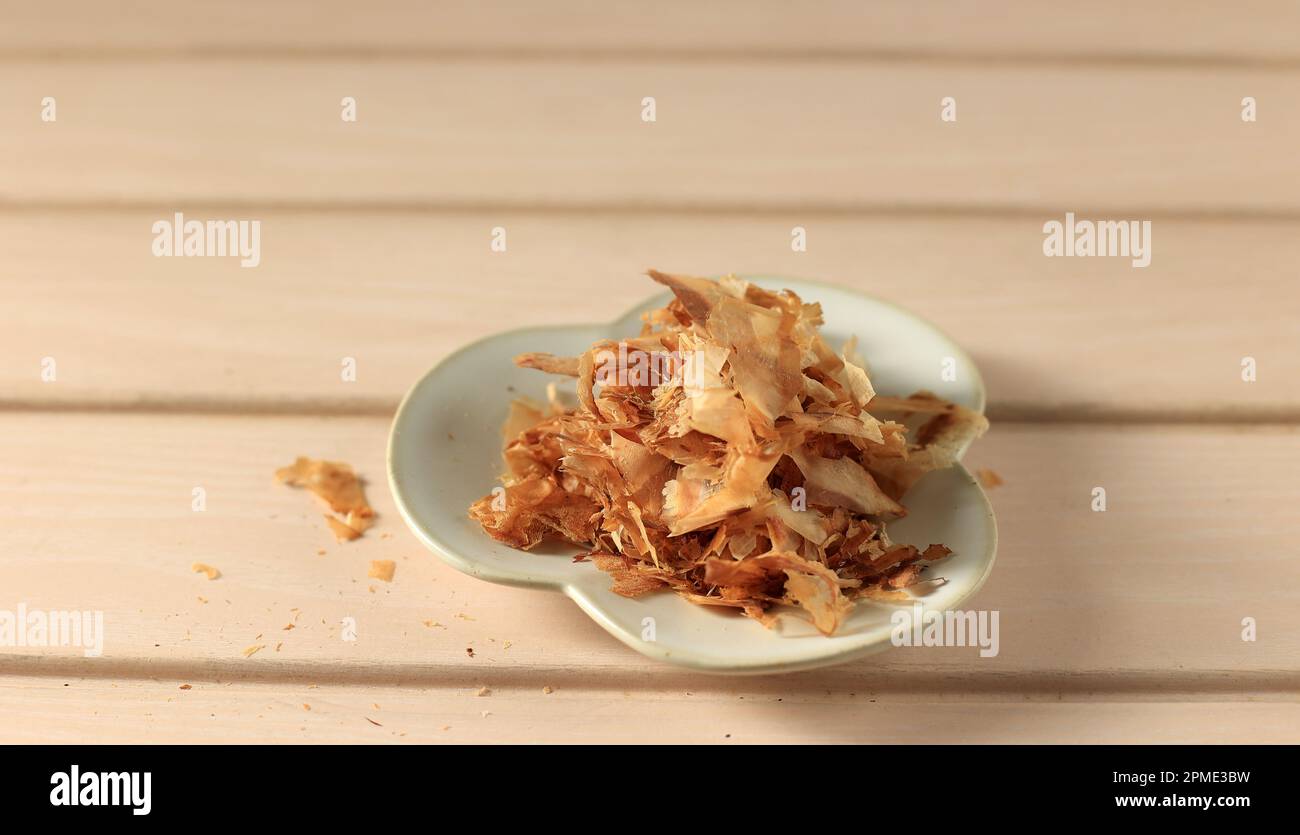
<point x="729" y="454"/>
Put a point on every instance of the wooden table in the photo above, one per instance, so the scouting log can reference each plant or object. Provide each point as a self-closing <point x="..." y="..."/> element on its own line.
<point x="181" y="373"/>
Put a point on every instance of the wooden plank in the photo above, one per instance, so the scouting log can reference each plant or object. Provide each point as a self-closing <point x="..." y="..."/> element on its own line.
<point x="1054" y="337"/>
<point x="1255" y="29"/>
<point x="1145" y="598"/>
<point x="53" y="710"/>
<point x="759" y="135"/>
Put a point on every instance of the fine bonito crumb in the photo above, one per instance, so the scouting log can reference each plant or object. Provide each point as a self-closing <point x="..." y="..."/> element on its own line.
<point x="382" y="570"/>
<point x="206" y="570"/>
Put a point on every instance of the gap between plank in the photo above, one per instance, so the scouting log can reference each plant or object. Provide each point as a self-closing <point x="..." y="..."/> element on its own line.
<point x="881" y="679"/>
<point x="721" y="54"/>
<point x="689" y="207"/>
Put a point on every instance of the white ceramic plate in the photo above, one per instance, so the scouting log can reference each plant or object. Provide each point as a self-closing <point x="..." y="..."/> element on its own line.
<point x="444" y="454"/>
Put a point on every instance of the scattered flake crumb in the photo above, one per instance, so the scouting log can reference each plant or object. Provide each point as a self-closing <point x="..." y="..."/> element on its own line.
<point x="432" y="623"/>
<point x="207" y="570"/>
<point x="469" y="651"/>
<point x="989" y="479"/>
<point x="548" y="689"/>
<point x="382" y="570"/>
<point x="286" y="627"/>
<point x="250" y="651"/>
<point x="187" y="687"/>
<point x="202" y="599"/>
<point x="484" y="691"/>
<point x="306" y="706"/>
<point x="463" y="616"/>
<point x="373" y="722"/>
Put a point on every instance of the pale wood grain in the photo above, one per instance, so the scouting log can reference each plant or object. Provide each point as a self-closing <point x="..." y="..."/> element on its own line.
<point x="1147" y="597"/>
<point x="744" y="134"/>
<point x="1054" y="337"/>
<point x="1121" y="626"/>
<point x="1254" y="29"/>
<point x="75" y="710"/>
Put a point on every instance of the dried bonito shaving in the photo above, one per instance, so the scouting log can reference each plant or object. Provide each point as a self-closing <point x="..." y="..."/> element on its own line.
<point x="729" y="454"/>
<point x="338" y="486"/>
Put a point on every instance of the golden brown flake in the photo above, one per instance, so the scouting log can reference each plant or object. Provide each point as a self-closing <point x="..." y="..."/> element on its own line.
<point x="206" y="570"/>
<point x="382" y="570"/>
<point x="338" y="486"/>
